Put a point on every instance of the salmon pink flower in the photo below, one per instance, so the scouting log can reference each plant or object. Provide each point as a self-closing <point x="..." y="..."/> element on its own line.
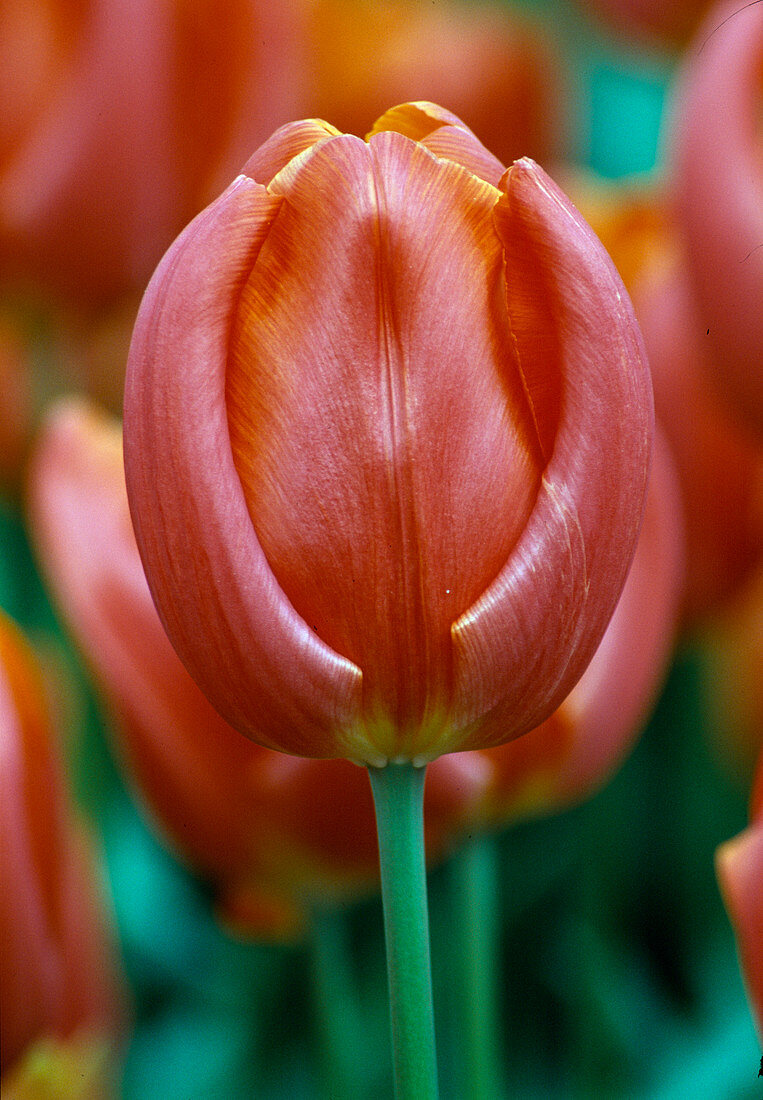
<point x="61" y="1009"/>
<point x="273" y="834"/>
<point x="718" y="179"/>
<point x="739" y="863"/>
<point x="387" y="436"/>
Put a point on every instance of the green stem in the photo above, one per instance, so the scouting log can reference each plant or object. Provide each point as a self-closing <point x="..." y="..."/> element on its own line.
<point x="398" y="791"/>
<point x="477" y="927"/>
<point x="337" y="1012"/>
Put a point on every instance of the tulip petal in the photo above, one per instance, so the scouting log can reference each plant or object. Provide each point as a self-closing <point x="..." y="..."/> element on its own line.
<point x="444" y="134"/>
<point x="385" y="503"/>
<point x="221" y="605"/>
<point x="523" y="645"/>
<point x="285" y="144"/>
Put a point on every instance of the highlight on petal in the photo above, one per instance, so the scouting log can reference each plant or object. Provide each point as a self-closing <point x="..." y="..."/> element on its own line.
<point x="576" y="750"/>
<point x="285" y="144"/>
<point x="718" y="181"/>
<point x="444" y="134"/>
<point x="559" y="586"/>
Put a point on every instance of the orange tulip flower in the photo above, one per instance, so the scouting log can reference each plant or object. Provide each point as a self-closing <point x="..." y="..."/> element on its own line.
<point x="718" y="180"/>
<point x="272" y="833"/>
<point x="387" y="434"/>
<point x="61" y="1010"/>
<point x="739" y="863"/>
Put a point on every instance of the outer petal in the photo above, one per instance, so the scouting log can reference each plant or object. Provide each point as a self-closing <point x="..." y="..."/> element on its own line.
<point x="575" y="750"/>
<point x="524" y="644"/>
<point x="719" y="189"/>
<point x="739" y="864"/>
<point x="221" y="605"/>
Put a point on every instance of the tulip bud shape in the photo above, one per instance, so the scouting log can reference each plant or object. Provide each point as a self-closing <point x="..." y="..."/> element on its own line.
<point x="387" y="438"/>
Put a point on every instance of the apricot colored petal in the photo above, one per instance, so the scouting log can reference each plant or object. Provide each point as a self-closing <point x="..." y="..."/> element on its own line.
<point x="223" y="609"/>
<point x="415" y="120"/>
<point x="718" y="174"/>
<point x="285" y="144"/>
<point x="396" y="521"/>
<point x="526" y="641"/>
<point x="739" y="865"/>
<point x="444" y="134"/>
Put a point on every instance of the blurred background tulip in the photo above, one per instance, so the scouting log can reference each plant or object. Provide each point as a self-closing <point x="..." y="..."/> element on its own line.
<point x="650" y="22"/>
<point x="127" y="118"/>
<point x="718" y="459"/>
<point x="717" y="168"/>
<point x="62" y="1011"/>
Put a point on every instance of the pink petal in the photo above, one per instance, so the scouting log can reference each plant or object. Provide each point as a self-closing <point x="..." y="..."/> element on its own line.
<point x="221" y="605"/>
<point x="525" y="642"/>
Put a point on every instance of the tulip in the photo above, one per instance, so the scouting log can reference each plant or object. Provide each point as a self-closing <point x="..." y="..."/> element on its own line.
<point x="387" y="433"/>
<point x="739" y="864"/>
<point x="719" y="195"/>
<point x="61" y="1010"/>
<point x="274" y="835"/>
<point x="121" y="118"/>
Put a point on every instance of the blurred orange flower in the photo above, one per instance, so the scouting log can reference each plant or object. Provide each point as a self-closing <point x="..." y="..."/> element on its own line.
<point x="61" y="1006"/>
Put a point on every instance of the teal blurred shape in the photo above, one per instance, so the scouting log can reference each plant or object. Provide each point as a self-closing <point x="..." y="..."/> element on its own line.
<point x="626" y="110"/>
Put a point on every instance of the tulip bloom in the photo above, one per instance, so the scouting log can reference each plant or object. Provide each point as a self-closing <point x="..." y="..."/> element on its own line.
<point x="273" y="834"/>
<point x="60" y="1006"/>
<point x="739" y="864"/>
<point x="718" y="177"/>
<point x="387" y="434"/>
